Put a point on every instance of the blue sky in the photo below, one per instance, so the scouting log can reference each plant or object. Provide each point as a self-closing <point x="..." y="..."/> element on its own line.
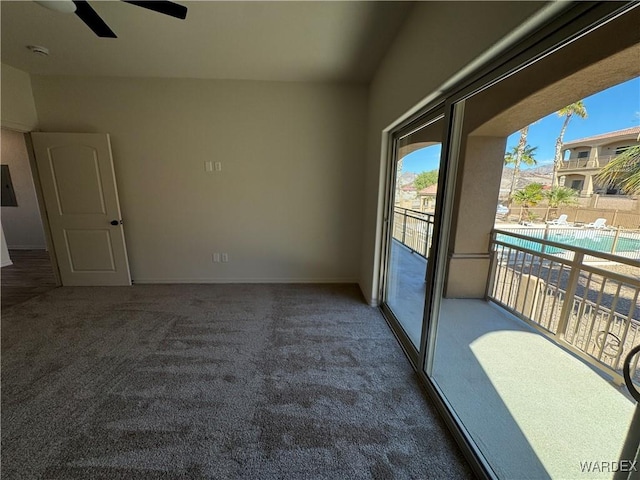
<point x="613" y="109"/>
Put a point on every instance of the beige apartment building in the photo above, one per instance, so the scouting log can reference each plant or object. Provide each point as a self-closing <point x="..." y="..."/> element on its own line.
<point x="588" y="155"/>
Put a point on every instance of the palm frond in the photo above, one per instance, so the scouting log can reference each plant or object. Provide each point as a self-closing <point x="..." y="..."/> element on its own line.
<point x="578" y="108"/>
<point x="623" y="171"/>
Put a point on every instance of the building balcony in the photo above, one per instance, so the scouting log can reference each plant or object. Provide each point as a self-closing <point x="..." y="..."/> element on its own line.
<point x="586" y="163"/>
<point x="536" y="380"/>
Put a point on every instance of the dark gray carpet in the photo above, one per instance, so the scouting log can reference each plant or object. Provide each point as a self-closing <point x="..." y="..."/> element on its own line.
<point x="213" y="381"/>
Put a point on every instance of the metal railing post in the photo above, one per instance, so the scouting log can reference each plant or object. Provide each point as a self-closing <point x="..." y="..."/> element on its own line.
<point x="493" y="265"/>
<point x="427" y="234"/>
<point x="615" y="240"/>
<point x="570" y="293"/>
<point x="545" y="236"/>
<point x="404" y="226"/>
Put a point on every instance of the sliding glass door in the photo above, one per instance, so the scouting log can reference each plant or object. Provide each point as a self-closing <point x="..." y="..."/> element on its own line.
<point x="411" y="213"/>
<point x="521" y="340"/>
<point x="535" y="320"/>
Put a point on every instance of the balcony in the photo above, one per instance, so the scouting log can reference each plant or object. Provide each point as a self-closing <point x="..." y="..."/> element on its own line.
<point x="586" y="163"/>
<point x="534" y="370"/>
<point x="586" y="301"/>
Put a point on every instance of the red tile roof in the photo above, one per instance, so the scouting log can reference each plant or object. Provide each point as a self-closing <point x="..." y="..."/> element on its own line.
<point x="430" y="190"/>
<point x="603" y="136"/>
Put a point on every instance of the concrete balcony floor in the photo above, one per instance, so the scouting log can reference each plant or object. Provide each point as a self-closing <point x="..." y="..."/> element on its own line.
<point x="534" y="409"/>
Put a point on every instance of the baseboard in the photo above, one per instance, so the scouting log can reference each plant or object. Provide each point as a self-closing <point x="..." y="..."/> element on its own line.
<point x="153" y="281"/>
<point x="6" y="263"/>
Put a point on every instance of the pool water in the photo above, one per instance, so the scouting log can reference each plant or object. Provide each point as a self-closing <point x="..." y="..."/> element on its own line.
<point x="590" y="240"/>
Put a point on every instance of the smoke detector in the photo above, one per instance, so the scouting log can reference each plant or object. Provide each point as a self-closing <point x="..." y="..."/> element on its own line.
<point x="38" y="50"/>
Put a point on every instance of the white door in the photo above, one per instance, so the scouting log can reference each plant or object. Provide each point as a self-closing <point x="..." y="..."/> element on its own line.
<point x="81" y="199"/>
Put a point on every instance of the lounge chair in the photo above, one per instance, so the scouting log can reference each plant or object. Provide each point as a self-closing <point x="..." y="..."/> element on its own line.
<point x="561" y="220"/>
<point x="598" y="224"/>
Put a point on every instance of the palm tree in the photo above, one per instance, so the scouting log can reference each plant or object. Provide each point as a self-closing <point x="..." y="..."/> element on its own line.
<point x="567" y="112"/>
<point x="520" y="154"/>
<point x="558" y="196"/>
<point x="528" y="197"/>
<point x="623" y="171"/>
<point x="399" y="172"/>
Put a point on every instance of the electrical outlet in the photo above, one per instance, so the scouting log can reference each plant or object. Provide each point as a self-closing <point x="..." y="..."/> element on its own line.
<point x="217" y="166"/>
<point x="216" y="258"/>
<point x="208" y="166"/>
<point x="225" y="257"/>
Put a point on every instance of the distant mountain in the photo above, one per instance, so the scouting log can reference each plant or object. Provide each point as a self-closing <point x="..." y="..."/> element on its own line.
<point x="407" y="178"/>
<point x="541" y="170"/>
<point x="542" y="174"/>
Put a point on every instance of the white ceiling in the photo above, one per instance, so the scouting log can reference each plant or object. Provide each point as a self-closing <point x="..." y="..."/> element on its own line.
<point x="282" y="41"/>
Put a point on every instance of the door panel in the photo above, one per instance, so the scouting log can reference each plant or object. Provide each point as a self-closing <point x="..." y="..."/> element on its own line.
<point x="81" y="198"/>
<point x="90" y="250"/>
<point x="417" y="150"/>
<point x="69" y="163"/>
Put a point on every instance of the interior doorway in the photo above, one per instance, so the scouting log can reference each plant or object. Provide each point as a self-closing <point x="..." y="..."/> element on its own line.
<point x="27" y="269"/>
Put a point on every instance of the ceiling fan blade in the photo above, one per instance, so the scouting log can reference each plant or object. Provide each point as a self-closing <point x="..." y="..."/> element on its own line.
<point x="91" y="18"/>
<point x="168" y="8"/>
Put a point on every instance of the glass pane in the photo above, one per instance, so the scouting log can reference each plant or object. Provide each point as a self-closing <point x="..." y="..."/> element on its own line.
<point x="418" y="161"/>
<point x="541" y="299"/>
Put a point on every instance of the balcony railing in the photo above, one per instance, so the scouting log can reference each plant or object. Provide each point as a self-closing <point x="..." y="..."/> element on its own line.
<point x="578" y="163"/>
<point x="603" y="160"/>
<point x="414" y="229"/>
<point x="592" y="311"/>
<point x="619" y="241"/>
<point x="571" y="164"/>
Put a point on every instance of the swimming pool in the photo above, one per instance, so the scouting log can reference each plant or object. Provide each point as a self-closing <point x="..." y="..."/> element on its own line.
<point x="595" y="240"/>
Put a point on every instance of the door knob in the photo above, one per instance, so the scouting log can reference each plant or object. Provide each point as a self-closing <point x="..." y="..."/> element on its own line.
<point x="116" y="222"/>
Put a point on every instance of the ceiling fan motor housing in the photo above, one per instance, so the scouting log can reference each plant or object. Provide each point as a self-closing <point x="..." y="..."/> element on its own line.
<point x="62" y="6"/>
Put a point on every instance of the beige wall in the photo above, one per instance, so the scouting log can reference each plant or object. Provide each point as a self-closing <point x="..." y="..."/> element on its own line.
<point x="610" y="149"/>
<point x="573" y="155"/>
<point x="438" y="40"/>
<point x="286" y="205"/>
<point x="18" y="109"/>
<point x="613" y="202"/>
<point x="474" y="216"/>
<point x="22" y="224"/>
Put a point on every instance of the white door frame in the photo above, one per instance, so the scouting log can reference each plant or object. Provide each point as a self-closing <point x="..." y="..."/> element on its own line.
<point x="40" y="198"/>
<point x="43" y="209"/>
